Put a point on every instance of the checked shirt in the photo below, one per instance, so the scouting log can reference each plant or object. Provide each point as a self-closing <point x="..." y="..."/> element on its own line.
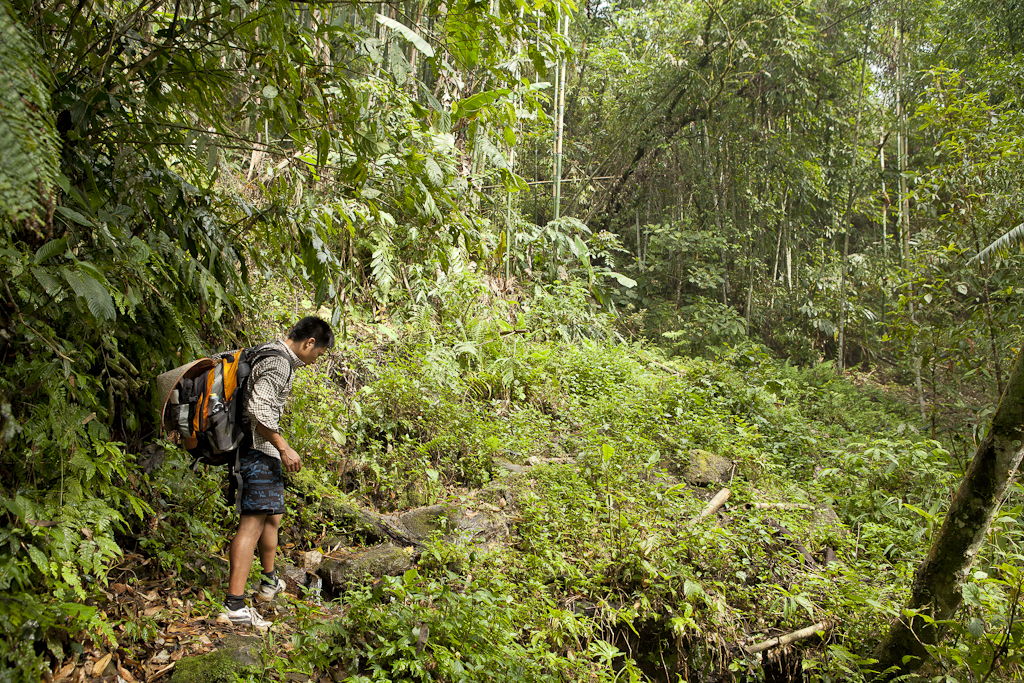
<point x="269" y="386"/>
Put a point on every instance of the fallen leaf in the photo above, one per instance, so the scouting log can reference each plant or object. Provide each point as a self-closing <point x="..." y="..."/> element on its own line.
<point x="205" y="640"/>
<point x="125" y="674"/>
<point x="161" y="657"/>
<point x="152" y="610"/>
<point x="99" y="667"/>
<point x="65" y="673"/>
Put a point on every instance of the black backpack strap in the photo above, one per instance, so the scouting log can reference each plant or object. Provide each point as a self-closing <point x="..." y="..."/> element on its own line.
<point x="264" y="351"/>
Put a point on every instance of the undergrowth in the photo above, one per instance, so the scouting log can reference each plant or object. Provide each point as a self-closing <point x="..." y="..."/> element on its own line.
<point x="607" y="576"/>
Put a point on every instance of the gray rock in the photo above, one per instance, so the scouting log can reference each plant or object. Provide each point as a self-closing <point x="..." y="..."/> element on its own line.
<point x="706" y="468"/>
<point x="238" y="656"/>
<point x="481" y="527"/>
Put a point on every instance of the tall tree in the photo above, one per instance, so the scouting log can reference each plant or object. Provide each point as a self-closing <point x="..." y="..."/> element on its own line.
<point x="936" y="593"/>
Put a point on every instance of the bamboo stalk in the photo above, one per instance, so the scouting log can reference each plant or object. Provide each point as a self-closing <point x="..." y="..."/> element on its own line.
<point x="716" y="502"/>
<point x="779" y="641"/>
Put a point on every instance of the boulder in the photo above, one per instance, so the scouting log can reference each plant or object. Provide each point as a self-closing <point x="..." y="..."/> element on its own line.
<point x="422" y="522"/>
<point x="237" y="657"/>
<point x="369" y="564"/>
<point x="481" y="527"/>
<point x="706" y="468"/>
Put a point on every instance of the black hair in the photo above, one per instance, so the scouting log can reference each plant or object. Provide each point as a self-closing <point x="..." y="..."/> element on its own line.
<point x="312" y="326"/>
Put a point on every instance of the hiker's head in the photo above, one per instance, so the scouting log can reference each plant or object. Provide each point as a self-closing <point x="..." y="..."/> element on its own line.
<point x="310" y="338"/>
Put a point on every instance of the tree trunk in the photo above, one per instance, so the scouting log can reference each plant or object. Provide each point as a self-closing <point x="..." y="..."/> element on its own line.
<point x="936" y="590"/>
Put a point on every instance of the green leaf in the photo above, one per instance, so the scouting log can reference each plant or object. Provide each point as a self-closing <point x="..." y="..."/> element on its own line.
<point x="97" y="298"/>
<point x="75" y="216"/>
<point x="475" y="103"/>
<point x="270" y="92"/>
<point x="411" y="576"/>
<point x="623" y="280"/>
<point x="50" y="249"/>
<point x="976" y="627"/>
<point x="410" y="35"/>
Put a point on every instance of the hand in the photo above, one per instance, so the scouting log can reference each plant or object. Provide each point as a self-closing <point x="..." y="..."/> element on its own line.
<point x="290" y="459"/>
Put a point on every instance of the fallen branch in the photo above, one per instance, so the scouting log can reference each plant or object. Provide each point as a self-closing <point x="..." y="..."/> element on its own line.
<point x="788" y="535"/>
<point x="779" y="641"/>
<point x="778" y="506"/>
<point x="716" y="502"/>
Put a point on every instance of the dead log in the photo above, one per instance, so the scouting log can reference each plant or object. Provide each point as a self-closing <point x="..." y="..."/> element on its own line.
<point x="779" y="641"/>
<point x="374" y="526"/>
<point x="716" y="502"/>
<point x="788" y="535"/>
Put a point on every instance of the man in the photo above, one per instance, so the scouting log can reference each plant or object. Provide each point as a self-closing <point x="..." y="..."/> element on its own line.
<point x="260" y="469"/>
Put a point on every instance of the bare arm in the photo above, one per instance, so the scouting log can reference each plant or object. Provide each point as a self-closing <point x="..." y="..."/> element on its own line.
<point x="289" y="458"/>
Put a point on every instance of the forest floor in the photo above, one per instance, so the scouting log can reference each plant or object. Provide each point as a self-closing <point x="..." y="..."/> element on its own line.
<point x="542" y="504"/>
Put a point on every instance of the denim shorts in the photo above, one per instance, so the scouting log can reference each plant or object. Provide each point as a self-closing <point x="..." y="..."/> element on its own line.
<point x="262" y="484"/>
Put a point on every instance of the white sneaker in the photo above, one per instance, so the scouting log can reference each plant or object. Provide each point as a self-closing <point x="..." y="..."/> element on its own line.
<point x="266" y="592"/>
<point x="244" y="616"/>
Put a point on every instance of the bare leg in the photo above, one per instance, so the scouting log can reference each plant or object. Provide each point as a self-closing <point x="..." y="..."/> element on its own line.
<point x="250" y="529"/>
<point x="268" y="542"/>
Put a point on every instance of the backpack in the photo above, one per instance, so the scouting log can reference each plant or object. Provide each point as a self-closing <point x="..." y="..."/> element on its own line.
<point x="205" y="400"/>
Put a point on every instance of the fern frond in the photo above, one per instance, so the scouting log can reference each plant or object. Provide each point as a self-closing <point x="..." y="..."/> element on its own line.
<point x="28" y="140"/>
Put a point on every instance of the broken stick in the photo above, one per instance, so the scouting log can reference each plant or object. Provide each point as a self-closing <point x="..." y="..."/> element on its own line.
<point x="716" y="502"/>
<point x="778" y="641"/>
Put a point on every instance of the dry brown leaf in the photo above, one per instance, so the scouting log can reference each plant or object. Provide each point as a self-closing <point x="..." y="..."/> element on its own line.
<point x="99" y="667"/>
<point x="119" y="588"/>
<point x="205" y="640"/>
<point x="65" y="673"/>
<point x="125" y="674"/>
<point x="161" y="672"/>
<point x="152" y="610"/>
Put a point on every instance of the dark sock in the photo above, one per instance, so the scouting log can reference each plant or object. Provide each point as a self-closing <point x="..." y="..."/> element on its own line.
<point x="234" y="602"/>
<point x="269" y="578"/>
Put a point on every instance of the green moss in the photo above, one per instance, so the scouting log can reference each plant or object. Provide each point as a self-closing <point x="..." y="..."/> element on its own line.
<point x="707" y="468"/>
<point x="238" y="657"/>
<point x="423" y="522"/>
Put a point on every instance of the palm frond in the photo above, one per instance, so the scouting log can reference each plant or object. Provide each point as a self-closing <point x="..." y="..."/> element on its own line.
<point x="1002" y="246"/>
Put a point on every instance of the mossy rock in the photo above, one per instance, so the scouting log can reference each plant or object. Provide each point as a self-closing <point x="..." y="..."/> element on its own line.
<point x="367" y="565"/>
<point x="346" y="515"/>
<point x="706" y="468"/>
<point x="423" y="522"/>
<point x="417" y="494"/>
<point x="238" y="656"/>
